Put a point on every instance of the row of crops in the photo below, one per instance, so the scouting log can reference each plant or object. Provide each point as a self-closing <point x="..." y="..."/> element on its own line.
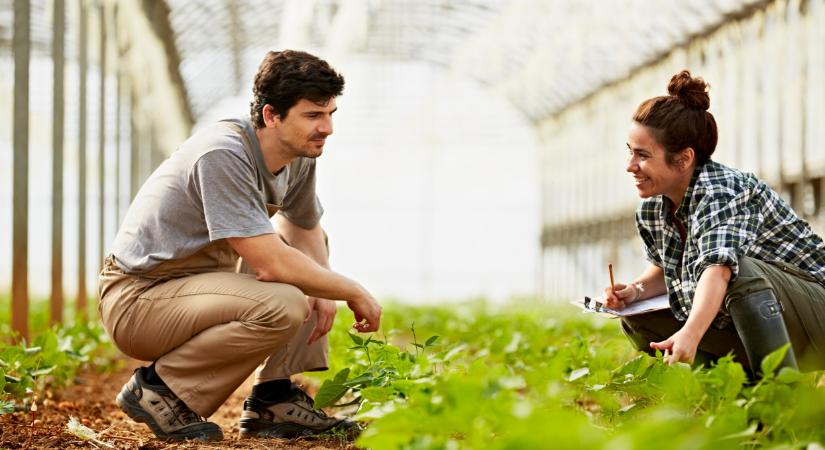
<point x="474" y="376"/>
<point x="52" y="358"/>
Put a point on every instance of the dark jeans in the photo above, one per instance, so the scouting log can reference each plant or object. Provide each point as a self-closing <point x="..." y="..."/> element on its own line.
<point x="803" y="304"/>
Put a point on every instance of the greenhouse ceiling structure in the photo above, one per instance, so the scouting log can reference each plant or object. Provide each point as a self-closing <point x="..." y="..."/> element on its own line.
<point x="542" y="55"/>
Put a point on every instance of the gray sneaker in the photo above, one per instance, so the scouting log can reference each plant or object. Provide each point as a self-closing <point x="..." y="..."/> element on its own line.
<point x="292" y="418"/>
<point x="166" y="414"/>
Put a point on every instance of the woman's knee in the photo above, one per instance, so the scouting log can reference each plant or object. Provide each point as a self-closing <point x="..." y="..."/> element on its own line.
<point x="638" y="337"/>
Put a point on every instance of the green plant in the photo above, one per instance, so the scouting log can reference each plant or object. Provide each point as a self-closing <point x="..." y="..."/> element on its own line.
<point x="533" y="376"/>
<point x="53" y="359"/>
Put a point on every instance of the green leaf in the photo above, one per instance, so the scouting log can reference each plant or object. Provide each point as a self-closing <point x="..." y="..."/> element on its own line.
<point x="42" y="371"/>
<point x="788" y="375"/>
<point x="6" y="407"/>
<point x="357" y="339"/>
<point x="750" y="431"/>
<point x="363" y="379"/>
<point x="431" y="341"/>
<point x="332" y="390"/>
<point x="48" y="343"/>
<point x="772" y="361"/>
<point x="378" y="394"/>
<point x="578" y="373"/>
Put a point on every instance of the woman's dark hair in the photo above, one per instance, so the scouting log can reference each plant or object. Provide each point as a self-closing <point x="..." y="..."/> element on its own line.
<point x="681" y="118"/>
<point x="288" y="76"/>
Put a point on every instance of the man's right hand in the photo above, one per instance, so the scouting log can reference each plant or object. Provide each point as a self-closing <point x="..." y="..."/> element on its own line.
<point x="622" y="296"/>
<point x="367" y="313"/>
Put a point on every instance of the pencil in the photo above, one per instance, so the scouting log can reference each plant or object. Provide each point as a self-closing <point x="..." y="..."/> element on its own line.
<point x="610" y="269"/>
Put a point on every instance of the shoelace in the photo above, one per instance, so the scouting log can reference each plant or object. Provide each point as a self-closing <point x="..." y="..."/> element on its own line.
<point x="183" y="414"/>
<point x="304" y="397"/>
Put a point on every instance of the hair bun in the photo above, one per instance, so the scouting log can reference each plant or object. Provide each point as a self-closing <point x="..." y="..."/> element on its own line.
<point x="693" y="92"/>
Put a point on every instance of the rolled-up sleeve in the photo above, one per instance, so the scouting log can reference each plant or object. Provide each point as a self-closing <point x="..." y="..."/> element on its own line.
<point x="726" y="229"/>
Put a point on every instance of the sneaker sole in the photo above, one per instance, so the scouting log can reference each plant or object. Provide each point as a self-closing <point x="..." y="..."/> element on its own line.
<point x="127" y="401"/>
<point x="252" y="428"/>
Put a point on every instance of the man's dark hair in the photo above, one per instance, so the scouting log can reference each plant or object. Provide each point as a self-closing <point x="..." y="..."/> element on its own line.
<point x="286" y="77"/>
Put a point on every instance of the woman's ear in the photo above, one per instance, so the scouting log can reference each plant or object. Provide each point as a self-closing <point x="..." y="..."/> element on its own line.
<point x="686" y="158"/>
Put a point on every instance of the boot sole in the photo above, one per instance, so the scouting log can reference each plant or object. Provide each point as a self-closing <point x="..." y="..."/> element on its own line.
<point x="262" y="428"/>
<point x="252" y="428"/>
<point x="127" y="401"/>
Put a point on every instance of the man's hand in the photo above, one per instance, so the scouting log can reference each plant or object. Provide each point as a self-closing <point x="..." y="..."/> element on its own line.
<point x="621" y="297"/>
<point x="681" y="347"/>
<point x="367" y="313"/>
<point x="326" y="316"/>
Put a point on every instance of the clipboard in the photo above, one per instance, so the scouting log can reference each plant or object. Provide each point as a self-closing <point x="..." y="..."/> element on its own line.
<point x="596" y="305"/>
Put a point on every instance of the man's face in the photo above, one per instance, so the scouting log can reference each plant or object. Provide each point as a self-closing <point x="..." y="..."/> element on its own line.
<point x="305" y="129"/>
<point x="646" y="162"/>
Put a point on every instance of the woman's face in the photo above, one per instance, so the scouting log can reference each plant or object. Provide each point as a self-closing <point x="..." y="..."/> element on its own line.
<point x="651" y="172"/>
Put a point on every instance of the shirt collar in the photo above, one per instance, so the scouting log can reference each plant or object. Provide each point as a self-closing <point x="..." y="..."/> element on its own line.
<point x="684" y="209"/>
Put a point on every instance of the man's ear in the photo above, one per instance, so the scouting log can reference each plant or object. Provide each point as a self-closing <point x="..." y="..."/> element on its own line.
<point x="271" y="117"/>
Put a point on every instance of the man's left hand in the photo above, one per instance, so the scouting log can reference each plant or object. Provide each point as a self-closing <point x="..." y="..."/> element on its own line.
<point x="326" y="310"/>
<point x="681" y="347"/>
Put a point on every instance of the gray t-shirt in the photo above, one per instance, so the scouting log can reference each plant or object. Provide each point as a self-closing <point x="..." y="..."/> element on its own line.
<point x="212" y="187"/>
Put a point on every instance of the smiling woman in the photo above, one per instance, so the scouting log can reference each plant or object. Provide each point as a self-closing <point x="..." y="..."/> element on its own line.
<point x="743" y="272"/>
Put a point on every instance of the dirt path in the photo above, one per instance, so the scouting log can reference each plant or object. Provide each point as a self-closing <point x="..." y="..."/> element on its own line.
<point x="91" y="400"/>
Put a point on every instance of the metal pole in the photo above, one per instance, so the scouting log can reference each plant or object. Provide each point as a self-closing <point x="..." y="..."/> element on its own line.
<point x="101" y="168"/>
<point x="81" y="210"/>
<point x="20" y="227"/>
<point x="134" y="149"/>
<point x="58" y="109"/>
<point x="118" y="136"/>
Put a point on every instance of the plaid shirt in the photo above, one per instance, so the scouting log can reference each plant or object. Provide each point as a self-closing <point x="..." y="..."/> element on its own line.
<point x="725" y="214"/>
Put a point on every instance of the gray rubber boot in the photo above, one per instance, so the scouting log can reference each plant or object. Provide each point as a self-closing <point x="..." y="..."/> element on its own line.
<point x="758" y="320"/>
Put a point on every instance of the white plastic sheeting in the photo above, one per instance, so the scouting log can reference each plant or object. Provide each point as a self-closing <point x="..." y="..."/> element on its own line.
<point x="541" y="54"/>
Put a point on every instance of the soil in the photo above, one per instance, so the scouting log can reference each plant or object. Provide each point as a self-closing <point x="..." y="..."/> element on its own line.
<point x="92" y="401"/>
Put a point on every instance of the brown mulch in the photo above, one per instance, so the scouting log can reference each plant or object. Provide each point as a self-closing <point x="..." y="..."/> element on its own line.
<point x="92" y="401"/>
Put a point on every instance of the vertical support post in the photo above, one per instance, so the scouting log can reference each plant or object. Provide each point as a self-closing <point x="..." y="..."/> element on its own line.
<point x="235" y="32"/>
<point x="101" y="167"/>
<point x="134" y="150"/>
<point x="118" y="123"/>
<point x="20" y="228"/>
<point x="81" y="148"/>
<point x="58" y="113"/>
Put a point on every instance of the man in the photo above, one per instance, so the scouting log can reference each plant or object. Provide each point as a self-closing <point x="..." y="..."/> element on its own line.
<point x="173" y="291"/>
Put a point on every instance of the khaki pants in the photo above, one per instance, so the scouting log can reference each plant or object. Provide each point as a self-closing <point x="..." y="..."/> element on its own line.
<point x="207" y="326"/>
<point x="803" y="305"/>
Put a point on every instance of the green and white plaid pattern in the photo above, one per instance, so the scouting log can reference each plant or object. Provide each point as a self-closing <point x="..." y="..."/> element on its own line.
<point x="726" y="214"/>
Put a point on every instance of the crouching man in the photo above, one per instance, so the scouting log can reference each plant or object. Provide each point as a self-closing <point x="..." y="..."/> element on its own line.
<point x="173" y="290"/>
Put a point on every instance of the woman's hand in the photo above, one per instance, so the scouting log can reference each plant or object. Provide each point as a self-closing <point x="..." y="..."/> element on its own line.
<point x="621" y="297"/>
<point x="710" y="290"/>
<point x="681" y="347"/>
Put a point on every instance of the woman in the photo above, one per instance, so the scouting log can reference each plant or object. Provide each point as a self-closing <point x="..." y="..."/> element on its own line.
<point x="743" y="272"/>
